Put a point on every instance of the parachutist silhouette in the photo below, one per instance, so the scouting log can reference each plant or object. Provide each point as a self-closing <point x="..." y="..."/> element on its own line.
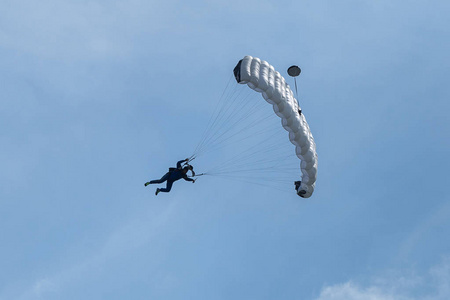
<point x="173" y="175"/>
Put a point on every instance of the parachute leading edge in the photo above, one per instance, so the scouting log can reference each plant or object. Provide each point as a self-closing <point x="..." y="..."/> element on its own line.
<point x="260" y="76"/>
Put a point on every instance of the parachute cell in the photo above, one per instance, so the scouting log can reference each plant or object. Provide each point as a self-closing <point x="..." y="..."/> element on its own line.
<point x="262" y="77"/>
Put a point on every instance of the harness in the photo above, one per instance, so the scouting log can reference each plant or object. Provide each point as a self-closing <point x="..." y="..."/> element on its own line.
<point x="191" y="168"/>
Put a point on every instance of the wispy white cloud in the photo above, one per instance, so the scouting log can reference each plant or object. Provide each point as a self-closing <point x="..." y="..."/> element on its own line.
<point x="433" y="285"/>
<point x="441" y="280"/>
<point x="351" y="291"/>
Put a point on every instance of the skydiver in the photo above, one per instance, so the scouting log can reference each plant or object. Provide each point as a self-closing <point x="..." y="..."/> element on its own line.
<point x="173" y="175"/>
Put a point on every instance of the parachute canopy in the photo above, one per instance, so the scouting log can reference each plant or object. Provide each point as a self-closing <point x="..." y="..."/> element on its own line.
<point x="262" y="77"/>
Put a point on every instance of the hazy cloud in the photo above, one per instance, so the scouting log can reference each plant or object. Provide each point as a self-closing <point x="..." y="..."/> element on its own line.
<point x="436" y="284"/>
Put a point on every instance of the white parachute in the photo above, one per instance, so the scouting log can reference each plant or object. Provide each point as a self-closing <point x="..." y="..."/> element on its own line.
<point x="262" y="77"/>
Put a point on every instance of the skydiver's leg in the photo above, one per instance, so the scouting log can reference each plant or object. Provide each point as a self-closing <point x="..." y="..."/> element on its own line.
<point x="164" y="178"/>
<point x="168" y="187"/>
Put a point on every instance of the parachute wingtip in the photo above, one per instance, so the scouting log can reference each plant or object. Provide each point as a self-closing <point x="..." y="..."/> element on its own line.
<point x="237" y="71"/>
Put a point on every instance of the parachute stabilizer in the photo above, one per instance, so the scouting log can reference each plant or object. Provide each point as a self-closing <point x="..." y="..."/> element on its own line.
<point x="294" y="71"/>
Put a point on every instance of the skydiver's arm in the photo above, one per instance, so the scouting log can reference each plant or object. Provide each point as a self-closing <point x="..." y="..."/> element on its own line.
<point x="180" y="162"/>
<point x="188" y="179"/>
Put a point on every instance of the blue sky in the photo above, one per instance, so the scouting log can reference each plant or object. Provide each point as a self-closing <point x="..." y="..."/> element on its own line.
<point x="97" y="97"/>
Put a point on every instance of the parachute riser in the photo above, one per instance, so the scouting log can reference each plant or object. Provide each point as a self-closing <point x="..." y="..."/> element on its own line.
<point x="295" y="71"/>
<point x="296" y="91"/>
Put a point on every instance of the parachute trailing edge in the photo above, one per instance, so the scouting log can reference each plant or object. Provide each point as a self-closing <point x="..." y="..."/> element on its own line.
<point x="260" y="76"/>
